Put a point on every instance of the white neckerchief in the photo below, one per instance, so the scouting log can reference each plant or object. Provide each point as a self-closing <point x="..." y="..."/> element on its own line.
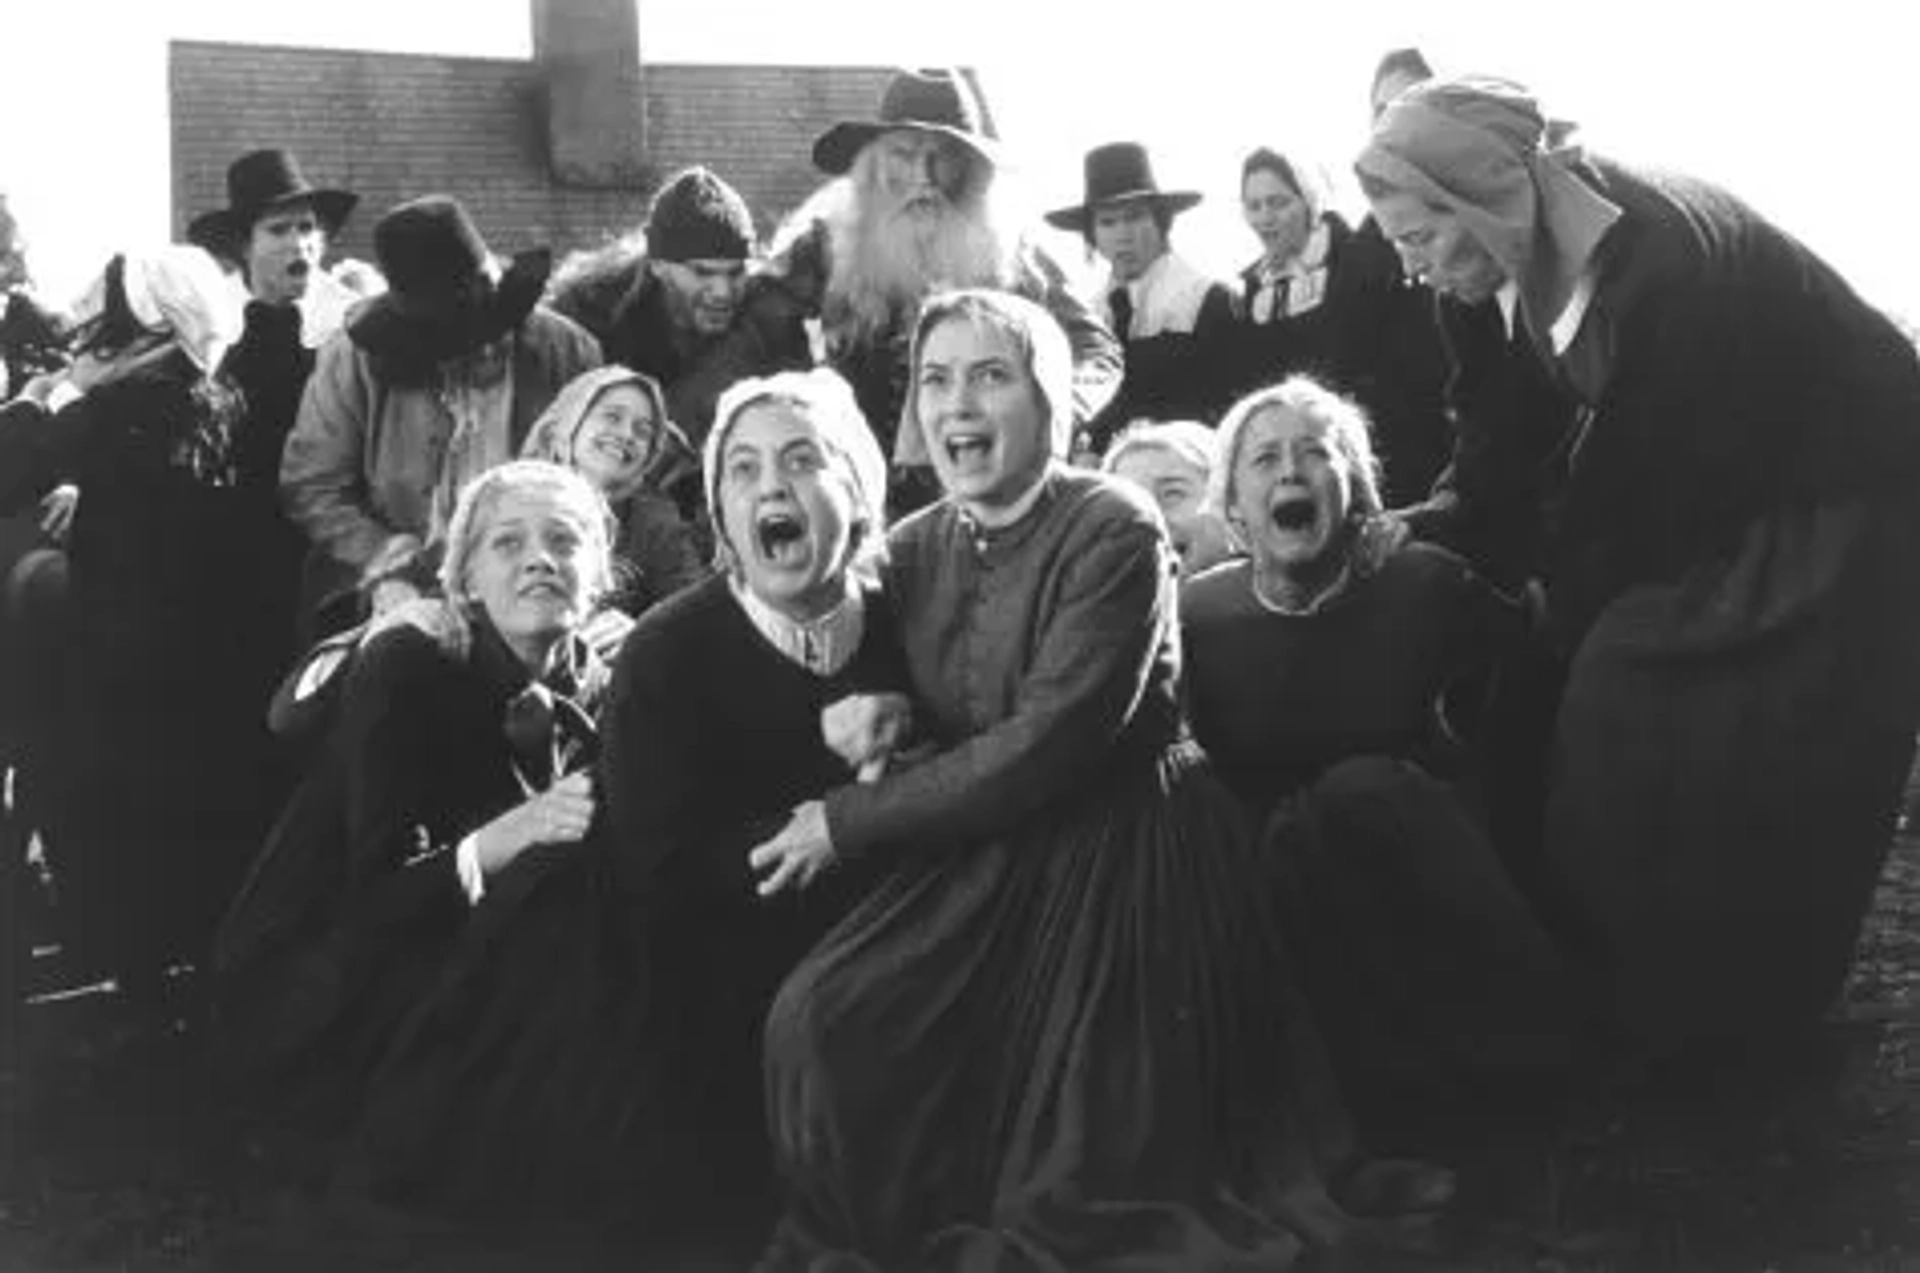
<point x="1302" y="280"/>
<point x="1166" y="298"/>
<point x="822" y="646"/>
<point x="1572" y="314"/>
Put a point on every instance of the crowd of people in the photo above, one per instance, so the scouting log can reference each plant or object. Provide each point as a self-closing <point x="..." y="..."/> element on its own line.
<point x="853" y="744"/>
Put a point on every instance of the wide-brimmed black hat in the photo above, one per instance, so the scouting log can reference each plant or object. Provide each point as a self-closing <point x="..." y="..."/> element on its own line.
<point x="442" y="298"/>
<point x="1116" y="173"/>
<point x="937" y="101"/>
<point x="257" y="183"/>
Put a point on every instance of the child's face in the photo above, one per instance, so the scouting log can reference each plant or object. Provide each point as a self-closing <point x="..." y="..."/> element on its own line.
<point x="615" y="437"/>
<point x="1179" y="487"/>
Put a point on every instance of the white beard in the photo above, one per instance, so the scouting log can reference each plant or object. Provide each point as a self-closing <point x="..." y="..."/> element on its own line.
<point x="884" y="261"/>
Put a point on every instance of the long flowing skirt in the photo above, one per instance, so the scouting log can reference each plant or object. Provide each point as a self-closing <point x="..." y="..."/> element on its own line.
<point x="1440" y="993"/>
<point x="1730" y="755"/>
<point x="1075" y="1048"/>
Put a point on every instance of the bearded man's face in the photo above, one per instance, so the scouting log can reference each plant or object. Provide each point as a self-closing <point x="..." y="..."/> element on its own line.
<point x="922" y="175"/>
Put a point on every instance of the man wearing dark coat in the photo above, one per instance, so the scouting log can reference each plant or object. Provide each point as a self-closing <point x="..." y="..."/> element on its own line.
<point x="665" y="299"/>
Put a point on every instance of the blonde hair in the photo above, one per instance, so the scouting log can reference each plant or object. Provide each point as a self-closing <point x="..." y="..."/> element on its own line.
<point x="1186" y="440"/>
<point x="1342" y="418"/>
<point x="555" y="434"/>
<point x="1037" y="334"/>
<point x="575" y="495"/>
<point x="826" y="400"/>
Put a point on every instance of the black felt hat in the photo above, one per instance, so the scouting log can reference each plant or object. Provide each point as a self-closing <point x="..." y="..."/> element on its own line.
<point x="1116" y="173"/>
<point x="258" y="182"/>
<point x="936" y="101"/>
<point x="443" y="298"/>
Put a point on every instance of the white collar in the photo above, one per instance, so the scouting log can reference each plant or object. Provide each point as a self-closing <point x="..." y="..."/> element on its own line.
<point x="1166" y="297"/>
<point x="1509" y="298"/>
<point x="1012" y="513"/>
<point x="1567" y="326"/>
<point x="1572" y="314"/>
<point x="822" y="646"/>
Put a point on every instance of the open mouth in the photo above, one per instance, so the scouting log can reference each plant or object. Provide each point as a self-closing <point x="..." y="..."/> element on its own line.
<point x="1294" y="515"/>
<point x="968" y="448"/>
<point x="299" y="268"/>
<point x="621" y="450"/>
<point x="782" y="537"/>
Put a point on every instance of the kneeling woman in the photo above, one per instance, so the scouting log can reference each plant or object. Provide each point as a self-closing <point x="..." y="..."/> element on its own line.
<point x="447" y="766"/>
<point x="1058" y="1035"/>
<point x="592" y="1053"/>
<point x="1319" y="669"/>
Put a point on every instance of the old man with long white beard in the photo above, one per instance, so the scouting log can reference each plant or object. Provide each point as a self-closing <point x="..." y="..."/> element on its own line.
<point x="914" y="209"/>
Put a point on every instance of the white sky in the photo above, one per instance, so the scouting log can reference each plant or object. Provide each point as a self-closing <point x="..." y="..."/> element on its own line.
<point x="1801" y="111"/>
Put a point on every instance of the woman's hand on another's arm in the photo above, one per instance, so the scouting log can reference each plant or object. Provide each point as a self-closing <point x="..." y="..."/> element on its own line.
<point x="431" y="616"/>
<point x="606" y="632"/>
<point x="865" y="730"/>
<point x="802" y="849"/>
<point x="559" y="815"/>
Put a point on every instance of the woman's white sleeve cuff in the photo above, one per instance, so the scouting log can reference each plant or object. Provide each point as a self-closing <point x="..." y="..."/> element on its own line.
<point x="466" y="860"/>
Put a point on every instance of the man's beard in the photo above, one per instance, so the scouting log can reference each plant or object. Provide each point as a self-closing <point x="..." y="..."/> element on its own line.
<point x="885" y="260"/>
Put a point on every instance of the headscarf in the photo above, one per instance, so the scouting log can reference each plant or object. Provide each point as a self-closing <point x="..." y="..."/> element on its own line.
<point x="666" y="452"/>
<point x="177" y="291"/>
<point x="835" y="413"/>
<point x="1037" y="333"/>
<point x="1483" y="149"/>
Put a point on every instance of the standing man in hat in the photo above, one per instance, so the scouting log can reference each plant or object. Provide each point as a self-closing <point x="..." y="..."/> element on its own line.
<point x="274" y="232"/>
<point x="664" y="301"/>
<point x="1174" y="323"/>
<point x="431" y="384"/>
<point x="913" y="209"/>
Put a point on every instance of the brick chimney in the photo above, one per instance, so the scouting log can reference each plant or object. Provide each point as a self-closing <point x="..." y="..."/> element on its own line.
<point x="588" y="55"/>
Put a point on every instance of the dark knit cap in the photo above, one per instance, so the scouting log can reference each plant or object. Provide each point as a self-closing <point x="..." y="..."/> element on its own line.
<point x="698" y="217"/>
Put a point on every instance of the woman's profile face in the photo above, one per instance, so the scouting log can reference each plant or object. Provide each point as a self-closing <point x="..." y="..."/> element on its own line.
<point x="1436" y="248"/>
<point x="1275" y="213"/>
<point x="528" y="565"/>
<point x="1292" y="489"/>
<point x="787" y="508"/>
<point x="985" y="422"/>
<point x="615" y="437"/>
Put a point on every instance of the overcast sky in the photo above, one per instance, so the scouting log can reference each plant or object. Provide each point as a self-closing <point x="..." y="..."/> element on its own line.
<point x="1805" y="115"/>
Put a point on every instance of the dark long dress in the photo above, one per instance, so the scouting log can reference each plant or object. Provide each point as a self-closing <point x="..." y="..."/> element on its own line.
<point x="355" y="901"/>
<point x="1727" y="483"/>
<point x="1060" y="1034"/>
<point x="1435" y="983"/>
<point x="161" y="773"/>
<point x="592" y="1052"/>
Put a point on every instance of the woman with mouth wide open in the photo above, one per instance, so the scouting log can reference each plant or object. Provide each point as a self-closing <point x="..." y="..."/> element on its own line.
<point x="592" y="1052"/>
<point x="1059" y="1032"/>
<point x="1320" y="670"/>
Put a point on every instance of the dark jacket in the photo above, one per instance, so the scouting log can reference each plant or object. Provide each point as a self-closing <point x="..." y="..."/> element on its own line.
<point x="1723" y="371"/>
<point x="1184" y="369"/>
<point x="615" y="296"/>
<point x="1372" y="338"/>
<point x="356" y="897"/>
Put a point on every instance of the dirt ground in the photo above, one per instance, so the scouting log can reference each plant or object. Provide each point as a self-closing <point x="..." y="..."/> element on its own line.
<point x="117" y="1157"/>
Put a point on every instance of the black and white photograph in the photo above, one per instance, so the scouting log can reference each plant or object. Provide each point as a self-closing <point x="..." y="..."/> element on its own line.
<point x="704" y="636"/>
